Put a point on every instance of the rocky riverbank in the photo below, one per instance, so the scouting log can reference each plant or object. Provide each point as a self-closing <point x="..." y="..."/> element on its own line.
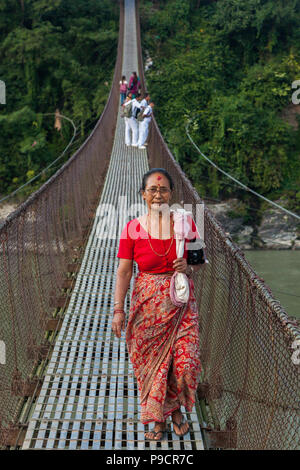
<point x="277" y="229"/>
<point x="5" y="210"/>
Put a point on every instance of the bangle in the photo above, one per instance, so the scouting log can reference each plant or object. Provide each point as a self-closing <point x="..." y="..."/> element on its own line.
<point x="119" y="310"/>
<point x="116" y="303"/>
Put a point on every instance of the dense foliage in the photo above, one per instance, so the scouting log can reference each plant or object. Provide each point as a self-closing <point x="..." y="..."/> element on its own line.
<point x="227" y="67"/>
<point x="56" y="54"/>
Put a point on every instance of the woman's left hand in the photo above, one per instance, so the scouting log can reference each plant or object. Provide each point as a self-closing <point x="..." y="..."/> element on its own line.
<point x="180" y="265"/>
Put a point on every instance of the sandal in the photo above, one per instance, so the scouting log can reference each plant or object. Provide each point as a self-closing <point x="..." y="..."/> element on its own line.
<point x="161" y="431"/>
<point x="182" y="422"/>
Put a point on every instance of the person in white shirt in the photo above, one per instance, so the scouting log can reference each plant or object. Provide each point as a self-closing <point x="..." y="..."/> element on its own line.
<point x="144" y="125"/>
<point x="134" y="125"/>
<point x="128" y="100"/>
<point x="146" y="100"/>
<point x="144" y="103"/>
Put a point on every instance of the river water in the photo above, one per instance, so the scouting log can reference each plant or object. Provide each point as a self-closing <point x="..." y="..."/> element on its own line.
<point x="280" y="270"/>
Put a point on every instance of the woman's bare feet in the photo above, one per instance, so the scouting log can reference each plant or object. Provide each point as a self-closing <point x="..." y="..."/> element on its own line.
<point x="157" y="433"/>
<point x="180" y="426"/>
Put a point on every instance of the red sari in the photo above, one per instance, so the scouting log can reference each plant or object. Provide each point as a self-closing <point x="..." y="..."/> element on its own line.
<point x="162" y="339"/>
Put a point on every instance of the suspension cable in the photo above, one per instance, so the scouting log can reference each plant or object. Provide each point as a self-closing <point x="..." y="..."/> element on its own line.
<point x="52" y="163"/>
<point x="238" y="182"/>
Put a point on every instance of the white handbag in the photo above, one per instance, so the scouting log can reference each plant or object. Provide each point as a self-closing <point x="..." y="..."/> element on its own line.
<point x="179" y="286"/>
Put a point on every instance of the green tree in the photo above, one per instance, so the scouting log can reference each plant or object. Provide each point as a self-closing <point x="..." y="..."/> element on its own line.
<point x="56" y="54"/>
<point x="227" y="66"/>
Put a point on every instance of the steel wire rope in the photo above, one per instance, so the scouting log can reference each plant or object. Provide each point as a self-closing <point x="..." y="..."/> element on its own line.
<point x="83" y="137"/>
<point x="247" y="189"/>
<point x="78" y="138"/>
<point x="68" y="147"/>
<point x="50" y="165"/>
<point x="213" y="201"/>
<point x="209" y="198"/>
<point x="285" y="293"/>
<point x="224" y="184"/>
<point x="237" y="181"/>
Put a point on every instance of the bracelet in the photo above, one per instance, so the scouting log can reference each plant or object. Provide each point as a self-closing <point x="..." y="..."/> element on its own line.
<point x="119" y="310"/>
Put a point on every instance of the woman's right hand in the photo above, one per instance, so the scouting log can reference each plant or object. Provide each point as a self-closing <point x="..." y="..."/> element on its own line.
<point x="118" y="323"/>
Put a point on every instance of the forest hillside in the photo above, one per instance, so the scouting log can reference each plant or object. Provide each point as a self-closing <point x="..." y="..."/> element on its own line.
<point x="226" y="67"/>
<point x="54" y="55"/>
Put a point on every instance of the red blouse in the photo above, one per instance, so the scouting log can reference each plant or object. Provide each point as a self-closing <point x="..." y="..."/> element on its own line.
<point x="134" y="244"/>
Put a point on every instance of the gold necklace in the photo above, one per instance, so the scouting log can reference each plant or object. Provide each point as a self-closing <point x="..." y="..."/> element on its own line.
<point x="159" y="254"/>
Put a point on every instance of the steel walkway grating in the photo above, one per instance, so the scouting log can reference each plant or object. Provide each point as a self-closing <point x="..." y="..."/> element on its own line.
<point x="125" y="433"/>
<point x="89" y="398"/>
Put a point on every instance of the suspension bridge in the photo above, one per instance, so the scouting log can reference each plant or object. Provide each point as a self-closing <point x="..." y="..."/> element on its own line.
<point x="66" y="381"/>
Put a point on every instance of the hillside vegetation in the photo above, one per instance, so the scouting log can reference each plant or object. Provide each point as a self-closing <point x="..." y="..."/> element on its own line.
<point x="57" y="54"/>
<point x="227" y="67"/>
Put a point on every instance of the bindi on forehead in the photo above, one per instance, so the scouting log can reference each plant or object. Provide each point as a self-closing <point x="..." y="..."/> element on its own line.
<point x="157" y="180"/>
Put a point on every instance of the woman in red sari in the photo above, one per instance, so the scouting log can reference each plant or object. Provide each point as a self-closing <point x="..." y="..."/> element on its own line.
<point x="162" y="339"/>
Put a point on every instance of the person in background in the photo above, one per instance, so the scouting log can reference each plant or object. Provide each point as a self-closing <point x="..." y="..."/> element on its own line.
<point x="135" y="107"/>
<point x="145" y="101"/>
<point x="144" y="125"/>
<point x="127" y="101"/>
<point x="123" y="89"/>
<point x="134" y="84"/>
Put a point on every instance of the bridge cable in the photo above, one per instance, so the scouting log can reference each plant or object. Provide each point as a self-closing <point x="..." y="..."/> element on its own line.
<point x="52" y="163"/>
<point x="237" y="181"/>
<point x="71" y="144"/>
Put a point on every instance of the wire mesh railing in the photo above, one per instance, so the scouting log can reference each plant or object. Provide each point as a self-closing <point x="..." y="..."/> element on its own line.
<point x="39" y="243"/>
<point x="251" y="378"/>
<point x="250" y="383"/>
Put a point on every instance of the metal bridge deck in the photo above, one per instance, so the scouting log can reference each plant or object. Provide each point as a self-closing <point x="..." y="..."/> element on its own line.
<point x="89" y="398"/>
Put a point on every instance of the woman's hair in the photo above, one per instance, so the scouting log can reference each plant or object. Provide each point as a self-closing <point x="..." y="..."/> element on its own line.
<point x="123" y="78"/>
<point x="156" y="170"/>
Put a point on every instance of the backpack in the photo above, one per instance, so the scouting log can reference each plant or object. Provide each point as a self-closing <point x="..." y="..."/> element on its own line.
<point x="136" y="112"/>
<point x="140" y="116"/>
<point x="127" y="110"/>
